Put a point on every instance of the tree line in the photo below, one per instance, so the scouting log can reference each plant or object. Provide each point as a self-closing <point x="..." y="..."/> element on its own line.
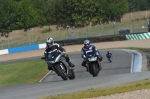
<point x="25" y="14"/>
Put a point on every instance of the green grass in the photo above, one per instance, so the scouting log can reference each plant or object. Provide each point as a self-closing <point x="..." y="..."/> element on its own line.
<point x="22" y="73"/>
<point x="90" y="93"/>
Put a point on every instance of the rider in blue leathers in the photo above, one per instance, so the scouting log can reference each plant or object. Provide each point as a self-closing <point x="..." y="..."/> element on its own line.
<point x="89" y="48"/>
<point x="109" y="55"/>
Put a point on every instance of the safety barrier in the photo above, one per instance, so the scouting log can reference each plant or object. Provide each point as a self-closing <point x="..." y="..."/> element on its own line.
<point x="63" y="43"/>
<point x="138" y="36"/>
<point x="22" y="49"/>
<point x="4" y="51"/>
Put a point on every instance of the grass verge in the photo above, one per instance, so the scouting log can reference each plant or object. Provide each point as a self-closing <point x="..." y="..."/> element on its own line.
<point x="22" y="73"/>
<point x="144" y="84"/>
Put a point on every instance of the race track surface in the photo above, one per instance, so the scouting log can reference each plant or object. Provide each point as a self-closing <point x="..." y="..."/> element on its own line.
<point x="117" y="72"/>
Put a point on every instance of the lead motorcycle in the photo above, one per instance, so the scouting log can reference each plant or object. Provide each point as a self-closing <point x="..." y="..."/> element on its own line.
<point x="93" y="63"/>
<point x="59" y="64"/>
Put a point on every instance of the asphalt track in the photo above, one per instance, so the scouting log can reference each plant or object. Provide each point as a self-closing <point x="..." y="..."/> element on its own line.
<point x="117" y="72"/>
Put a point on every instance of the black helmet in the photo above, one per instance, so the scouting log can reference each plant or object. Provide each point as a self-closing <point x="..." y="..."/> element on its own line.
<point x="49" y="42"/>
<point x="86" y="43"/>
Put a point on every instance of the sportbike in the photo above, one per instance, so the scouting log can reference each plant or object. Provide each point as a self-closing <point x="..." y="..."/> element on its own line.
<point x="59" y="64"/>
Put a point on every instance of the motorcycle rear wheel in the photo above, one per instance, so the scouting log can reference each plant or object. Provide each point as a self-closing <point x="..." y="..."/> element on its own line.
<point x="71" y="74"/>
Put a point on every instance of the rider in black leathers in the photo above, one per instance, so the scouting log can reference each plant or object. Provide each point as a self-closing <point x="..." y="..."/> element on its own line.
<point x="51" y="46"/>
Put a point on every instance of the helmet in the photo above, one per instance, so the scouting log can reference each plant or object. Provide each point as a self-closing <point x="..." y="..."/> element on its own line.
<point x="49" y="42"/>
<point x="86" y="43"/>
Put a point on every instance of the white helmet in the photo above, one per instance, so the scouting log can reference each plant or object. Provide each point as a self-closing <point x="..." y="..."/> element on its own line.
<point x="49" y="42"/>
<point x="86" y="43"/>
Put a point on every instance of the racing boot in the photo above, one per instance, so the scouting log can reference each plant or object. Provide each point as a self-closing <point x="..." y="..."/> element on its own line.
<point x="85" y="65"/>
<point x="87" y="69"/>
<point x="49" y="67"/>
<point x="71" y="64"/>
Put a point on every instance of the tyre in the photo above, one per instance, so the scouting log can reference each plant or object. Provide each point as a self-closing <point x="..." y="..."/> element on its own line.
<point x="71" y="75"/>
<point x="61" y="72"/>
<point x="95" y="69"/>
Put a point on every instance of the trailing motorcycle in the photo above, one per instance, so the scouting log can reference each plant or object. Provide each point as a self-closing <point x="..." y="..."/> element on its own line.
<point x="93" y="63"/>
<point x="59" y="64"/>
<point x="109" y="57"/>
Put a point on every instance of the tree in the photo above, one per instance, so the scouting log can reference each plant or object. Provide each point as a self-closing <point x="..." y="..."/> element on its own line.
<point x="61" y="11"/>
<point x="138" y="5"/>
<point x="27" y="16"/>
<point x="7" y="16"/>
<point x="41" y="9"/>
<point x="113" y="9"/>
<point x="86" y="11"/>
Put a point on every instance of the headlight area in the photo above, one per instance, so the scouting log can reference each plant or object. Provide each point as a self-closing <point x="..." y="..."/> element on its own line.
<point x="92" y="59"/>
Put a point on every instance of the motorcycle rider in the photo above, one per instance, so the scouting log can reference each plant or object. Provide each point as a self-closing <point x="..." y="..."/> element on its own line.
<point x="89" y="48"/>
<point x="51" y="46"/>
<point x="108" y="54"/>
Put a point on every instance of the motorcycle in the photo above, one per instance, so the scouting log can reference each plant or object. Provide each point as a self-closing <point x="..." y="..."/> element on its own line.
<point x="59" y="64"/>
<point x="109" y="57"/>
<point x="93" y="63"/>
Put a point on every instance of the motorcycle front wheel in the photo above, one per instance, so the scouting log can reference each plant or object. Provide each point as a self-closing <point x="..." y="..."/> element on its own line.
<point x="95" y="69"/>
<point x="61" y="72"/>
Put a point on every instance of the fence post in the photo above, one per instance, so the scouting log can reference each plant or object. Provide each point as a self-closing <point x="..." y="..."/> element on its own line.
<point x="148" y="24"/>
<point x="147" y="21"/>
<point x="114" y="27"/>
<point x="101" y="25"/>
<point x="132" y="23"/>
<point x="29" y="38"/>
<point x="86" y="31"/>
<point x="2" y="45"/>
<point x="8" y="43"/>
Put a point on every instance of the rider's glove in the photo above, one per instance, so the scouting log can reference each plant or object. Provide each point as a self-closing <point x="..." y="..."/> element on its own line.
<point x="97" y="53"/>
<point x="84" y="56"/>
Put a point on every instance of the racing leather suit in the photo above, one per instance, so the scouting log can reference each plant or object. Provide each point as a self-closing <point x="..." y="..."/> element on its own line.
<point x="55" y="47"/>
<point x="108" y="55"/>
<point x="91" y="48"/>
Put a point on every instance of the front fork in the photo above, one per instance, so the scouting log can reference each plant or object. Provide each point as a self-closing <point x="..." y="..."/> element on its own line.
<point x="67" y="66"/>
<point x="99" y="64"/>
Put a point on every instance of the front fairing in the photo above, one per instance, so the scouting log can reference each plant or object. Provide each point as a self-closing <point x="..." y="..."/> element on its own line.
<point x="91" y="56"/>
<point x="53" y="57"/>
